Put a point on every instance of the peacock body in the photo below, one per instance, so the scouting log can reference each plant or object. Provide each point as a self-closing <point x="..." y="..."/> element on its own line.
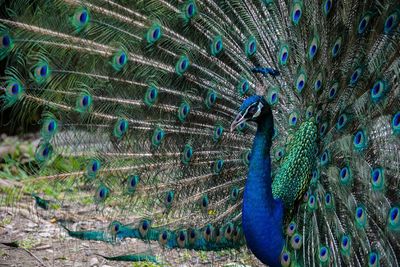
<point x="138" y="98"/>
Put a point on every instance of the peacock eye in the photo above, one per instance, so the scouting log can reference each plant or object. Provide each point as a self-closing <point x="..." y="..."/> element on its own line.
<point x="373" y="259"/>
<point x="361" y="217"/>
<point x="80" y="19"/>
<point x="323" y="254"/>
<point x="285" y="258"/>
<point x="252" y="110"/>
<point x="164" y="235"/>
<point x="102" y="193"/>
<point x="296" y="241"/>
<point x="43" y="152"/>
<point x="251" y="46"/>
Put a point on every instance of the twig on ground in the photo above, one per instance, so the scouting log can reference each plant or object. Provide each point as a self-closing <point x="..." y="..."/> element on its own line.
<point x="33" y="255"/>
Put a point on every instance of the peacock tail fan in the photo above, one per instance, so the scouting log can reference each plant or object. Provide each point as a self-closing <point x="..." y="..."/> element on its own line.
<point x="138" y="98"/>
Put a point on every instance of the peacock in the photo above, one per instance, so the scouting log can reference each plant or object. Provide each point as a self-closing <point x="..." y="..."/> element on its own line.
<point x="215" y="124"/>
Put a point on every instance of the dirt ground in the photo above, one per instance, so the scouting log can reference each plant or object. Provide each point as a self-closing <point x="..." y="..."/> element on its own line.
<point x="30" y="236"/>
<point x="42" y="242"/>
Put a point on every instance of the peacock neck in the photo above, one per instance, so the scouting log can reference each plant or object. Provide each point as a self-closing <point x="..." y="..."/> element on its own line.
<point x="262" y="215"/>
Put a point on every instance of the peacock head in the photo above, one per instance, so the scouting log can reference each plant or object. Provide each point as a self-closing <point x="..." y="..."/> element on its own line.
<point x="254" y="108"/>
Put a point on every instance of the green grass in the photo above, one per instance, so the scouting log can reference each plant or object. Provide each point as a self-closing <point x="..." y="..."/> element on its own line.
<point x="29" y="242"/>
<point x="5" y="221"/>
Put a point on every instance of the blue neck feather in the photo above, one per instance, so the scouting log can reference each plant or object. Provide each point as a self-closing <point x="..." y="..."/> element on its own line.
<point x="262" y="215"/>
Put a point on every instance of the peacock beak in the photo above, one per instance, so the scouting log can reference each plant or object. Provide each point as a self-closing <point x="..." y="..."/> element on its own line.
<point x="237" y="121"/>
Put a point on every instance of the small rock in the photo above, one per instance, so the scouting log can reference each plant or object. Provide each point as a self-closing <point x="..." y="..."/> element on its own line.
<point x="46" y="246"/>
<point x="94" y="262"/>
<point x="31" y="224"/>
<point x="14" y="232"/>
<point x="45" y="234"/>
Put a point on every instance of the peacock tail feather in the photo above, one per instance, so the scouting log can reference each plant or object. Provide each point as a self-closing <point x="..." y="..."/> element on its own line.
<point x="138" y="97"/>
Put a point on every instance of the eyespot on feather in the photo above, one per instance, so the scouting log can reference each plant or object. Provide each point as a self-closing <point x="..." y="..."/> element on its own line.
<point x="80" y="19"/>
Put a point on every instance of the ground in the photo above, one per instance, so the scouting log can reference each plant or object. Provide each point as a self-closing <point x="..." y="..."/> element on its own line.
<point x="30" y="236"/>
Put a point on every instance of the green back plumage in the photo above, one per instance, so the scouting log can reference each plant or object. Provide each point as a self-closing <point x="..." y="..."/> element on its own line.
<point x="293" y="177"/>
<point x="138" y="97"/>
